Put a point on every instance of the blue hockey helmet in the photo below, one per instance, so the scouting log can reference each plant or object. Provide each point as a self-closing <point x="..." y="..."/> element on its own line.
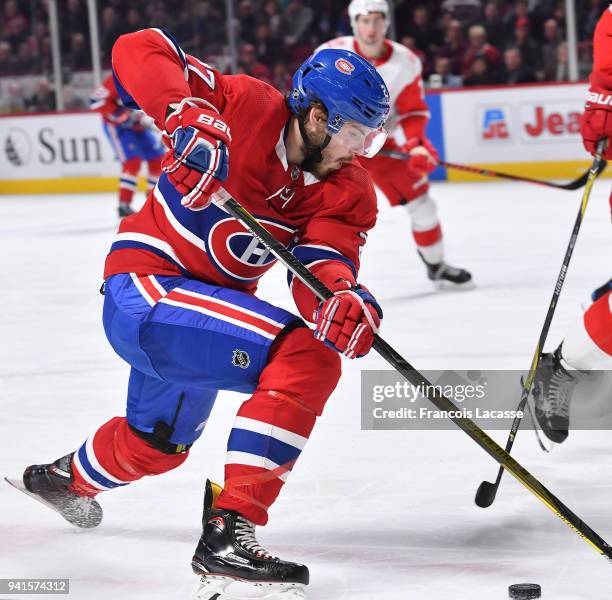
<point x="350" y="88"/>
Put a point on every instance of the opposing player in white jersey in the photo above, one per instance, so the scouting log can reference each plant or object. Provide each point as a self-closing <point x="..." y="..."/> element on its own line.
<point x="404" y="182"/>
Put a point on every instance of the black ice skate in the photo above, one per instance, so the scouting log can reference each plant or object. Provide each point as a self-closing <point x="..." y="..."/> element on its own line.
<point x="49" y="485"/>
<point x="228" y="551"/>
<point x="124" y="210"/>
<point x="444" y="275"/>
<point x="552" y="391"/>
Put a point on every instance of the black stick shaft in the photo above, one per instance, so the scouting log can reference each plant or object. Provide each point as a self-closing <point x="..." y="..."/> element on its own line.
<point x="593" y="172"/>
<point x="411" y="374"/>
<point x="572" y="185"/>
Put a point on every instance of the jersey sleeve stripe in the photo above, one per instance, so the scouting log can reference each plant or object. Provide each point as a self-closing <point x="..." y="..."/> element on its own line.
<point x="126" y="98"/>
<point x="169" y="38"/>
<point x="167" y="196"/>
<point x="311" y="254"/>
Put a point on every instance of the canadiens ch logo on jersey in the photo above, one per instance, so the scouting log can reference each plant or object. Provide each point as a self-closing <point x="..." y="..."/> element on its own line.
<point x="241" y="359"/>
<point x="235" y="251"/>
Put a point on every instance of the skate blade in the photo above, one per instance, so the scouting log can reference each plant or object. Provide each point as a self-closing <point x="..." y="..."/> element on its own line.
<point x="210" y="587"/>
<point x="81" y="524"/>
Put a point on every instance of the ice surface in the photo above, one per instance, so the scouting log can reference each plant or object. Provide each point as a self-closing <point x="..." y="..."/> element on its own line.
<point x="376" y="515"/>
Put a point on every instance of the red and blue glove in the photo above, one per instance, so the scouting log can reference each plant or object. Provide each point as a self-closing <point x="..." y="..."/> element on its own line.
<point x="348" y="321"/>
<point x="423" y="156"/>
<point x="199" y="159"/>
<point x="597" y="120"/>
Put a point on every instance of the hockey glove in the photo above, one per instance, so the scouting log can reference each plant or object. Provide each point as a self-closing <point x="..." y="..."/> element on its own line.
<point x="124" y="118"/>
<point x="423" y="156"/>
<point x="597" y="120"/>
<point x="199" y="159"/>
<point x="348" y="321"/>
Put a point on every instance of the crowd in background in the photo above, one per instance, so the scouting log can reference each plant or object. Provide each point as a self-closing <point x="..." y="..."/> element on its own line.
<point x="461" y="42"/>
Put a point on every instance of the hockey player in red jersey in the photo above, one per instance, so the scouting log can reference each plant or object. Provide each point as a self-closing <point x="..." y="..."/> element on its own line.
<point x="404" y="182"/>
<point x="588" y="344"/>
<point x="130" y="135"/>
<point x="180" y="281"/>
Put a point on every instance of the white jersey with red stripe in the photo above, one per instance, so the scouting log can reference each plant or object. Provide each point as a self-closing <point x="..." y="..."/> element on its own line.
<point x="401" y="70"/>
<point x="322" y="220"/>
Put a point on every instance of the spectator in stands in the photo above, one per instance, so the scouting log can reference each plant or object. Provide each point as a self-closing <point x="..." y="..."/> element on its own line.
<point x="43" y="99"/>
<point x="80" y="53"/>
<point x="7" y="62"/>
<point x="14" y="101"/>
<point x="15" y="25"/>
<point x="479" y="48"/>
<point x="134" y="20"/>
<point x="519" y="11"/>
<point x="442" y="75"/>
<point x="480" y="73"/>
<point x="548" y="51"/>
<point x="494" y="25"/>
<point x="514" y="69"/>
<point x="410" y="43"/>
<point x="273" y="17"/>
<point x="249" y="65"/>
<point x="248" y="21"/>
<point x="25" y="61"/>
<point x="529" y="49"/>
<point x="160" y="17"/>
<point x="281" y="77"/>
<point x="295" y="23"/>
<point x="267" y="48"/>
<point x="454" y="47"/>
<point x="426" y="36"/>
<point x="590" y="18"/>
<point x="45" y="60"/>
<point x="74" y="20"/>
<point x="110" y="29"/>
<point x="561" y="72"/>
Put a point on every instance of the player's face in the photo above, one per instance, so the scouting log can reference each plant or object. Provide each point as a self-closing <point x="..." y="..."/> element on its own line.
<point x="353" y="139"/>
<point x="335" y="154"/>
<point x="371" y="28"/>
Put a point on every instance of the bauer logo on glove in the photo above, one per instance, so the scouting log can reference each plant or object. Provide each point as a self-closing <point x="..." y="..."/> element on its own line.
<point x="199" y="160"/>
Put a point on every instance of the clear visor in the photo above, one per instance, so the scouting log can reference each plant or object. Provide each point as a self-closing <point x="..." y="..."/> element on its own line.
<point x="361" y="139"/>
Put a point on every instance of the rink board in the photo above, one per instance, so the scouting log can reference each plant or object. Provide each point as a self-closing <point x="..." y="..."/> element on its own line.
<point x="530" y="130"/>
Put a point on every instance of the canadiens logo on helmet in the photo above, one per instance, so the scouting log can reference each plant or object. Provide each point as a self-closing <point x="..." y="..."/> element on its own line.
<point x="344" y="66"/>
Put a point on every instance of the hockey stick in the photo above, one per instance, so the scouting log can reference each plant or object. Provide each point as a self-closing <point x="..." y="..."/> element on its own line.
<point x="572" y="185"/>
<point x="485" y="495"/>
<point x="416" y="378"/>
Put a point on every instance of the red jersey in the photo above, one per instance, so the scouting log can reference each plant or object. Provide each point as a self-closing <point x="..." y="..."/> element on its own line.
<point x="324" y="222"/>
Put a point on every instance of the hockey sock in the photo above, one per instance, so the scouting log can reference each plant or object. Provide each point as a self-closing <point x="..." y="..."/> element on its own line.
<point x="273" y="426"/>
<point x="426" y="228"/>
<point x="115" y="456"/>
<point x="128" y="180"/>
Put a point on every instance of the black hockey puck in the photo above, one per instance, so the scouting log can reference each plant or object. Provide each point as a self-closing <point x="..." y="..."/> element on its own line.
<point x="524" y="591"/>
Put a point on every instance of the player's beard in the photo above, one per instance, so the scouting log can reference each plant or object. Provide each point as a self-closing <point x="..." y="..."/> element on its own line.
<point x="312" y="150"/>
<point x="326" y="167"/>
